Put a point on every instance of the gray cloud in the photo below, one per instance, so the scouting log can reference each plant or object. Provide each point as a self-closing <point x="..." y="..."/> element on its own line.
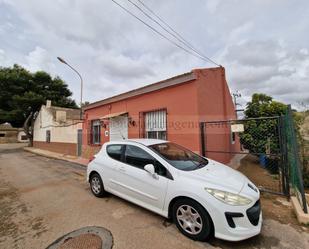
<point x="120" y="66"/>
<point x="270" y="67"/>
<point x="262" y="44"/>
<point x="39" y="59"/>
<point x="255" y="53"/>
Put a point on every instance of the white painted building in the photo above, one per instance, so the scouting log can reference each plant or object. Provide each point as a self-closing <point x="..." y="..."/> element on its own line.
<point x="9" y="134"/>
<point x="58" y="129"/>
<point x="22" y="137"/>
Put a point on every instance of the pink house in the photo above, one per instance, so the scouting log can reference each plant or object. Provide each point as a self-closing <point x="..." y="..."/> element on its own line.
<point x="170" y="109"/>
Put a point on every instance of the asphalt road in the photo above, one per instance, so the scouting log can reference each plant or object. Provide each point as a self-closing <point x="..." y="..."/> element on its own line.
<point x="42" y="199"/>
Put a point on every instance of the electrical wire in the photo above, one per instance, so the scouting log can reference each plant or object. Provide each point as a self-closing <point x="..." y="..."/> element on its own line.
<point x="59" y="126"/>
<point x="172" y="31"/>
<point x="158" y="32"/>
<point x="148" y="8"/>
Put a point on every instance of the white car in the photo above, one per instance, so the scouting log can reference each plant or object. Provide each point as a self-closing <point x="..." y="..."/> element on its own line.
<point x="202" y="196"/>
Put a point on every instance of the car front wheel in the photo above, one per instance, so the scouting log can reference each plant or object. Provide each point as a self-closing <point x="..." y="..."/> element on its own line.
<point x="192" y="219"/>
<point x="96" y="185"/>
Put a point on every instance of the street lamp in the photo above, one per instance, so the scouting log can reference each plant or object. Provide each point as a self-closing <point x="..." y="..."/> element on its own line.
<point x="81" y="83"/>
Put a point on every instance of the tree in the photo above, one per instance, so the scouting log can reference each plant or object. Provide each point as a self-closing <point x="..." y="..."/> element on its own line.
<point x="22" y="94"/>
<point x="262" y="134"/>
<point x="85" y="103"/>
<point x="263" y="105"/>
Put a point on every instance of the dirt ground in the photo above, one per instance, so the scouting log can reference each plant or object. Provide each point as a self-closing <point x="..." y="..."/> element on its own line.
<point x="274" y="206"/>
<point x="250" y="167"/>
<point x="42" y="199"/>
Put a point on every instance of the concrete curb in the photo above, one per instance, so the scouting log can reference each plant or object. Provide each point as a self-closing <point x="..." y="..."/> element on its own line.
<point x="52" y="155"/>
<point x="301" y="216"/>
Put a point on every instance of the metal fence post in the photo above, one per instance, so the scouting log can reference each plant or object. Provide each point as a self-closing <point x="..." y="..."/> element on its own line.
<point x="202" y="125"/>
<point x="285" y="168"/>
<point x="298" y="164"/>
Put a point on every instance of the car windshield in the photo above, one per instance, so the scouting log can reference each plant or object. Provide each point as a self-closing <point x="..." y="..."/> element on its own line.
<point x="179" y="157"/>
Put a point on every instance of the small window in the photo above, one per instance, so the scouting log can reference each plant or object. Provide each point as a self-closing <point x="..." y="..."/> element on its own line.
<point x="96" y="132"/>
<point x="115" y="151"/>
<point x="233" y="137"/>
<point x="2" y="134"/>
<point x="24" y="137"/>
<point x="48" y="136"/>
<point x="155" y="124"/>
<point x="156" y="134"/>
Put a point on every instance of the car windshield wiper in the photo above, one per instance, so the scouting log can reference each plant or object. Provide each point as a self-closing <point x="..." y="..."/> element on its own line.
<point x="201" y="164"/>
<point x="197" y="165"/>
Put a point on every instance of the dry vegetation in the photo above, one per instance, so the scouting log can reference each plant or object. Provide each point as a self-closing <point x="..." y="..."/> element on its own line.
<point x="303" y="124"/>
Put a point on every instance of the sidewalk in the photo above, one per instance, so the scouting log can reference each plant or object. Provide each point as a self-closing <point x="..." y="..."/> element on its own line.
<point x="50" y="154"/>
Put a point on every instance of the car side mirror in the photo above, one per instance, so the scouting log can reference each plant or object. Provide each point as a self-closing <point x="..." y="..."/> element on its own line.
<point x="151" y="170"/>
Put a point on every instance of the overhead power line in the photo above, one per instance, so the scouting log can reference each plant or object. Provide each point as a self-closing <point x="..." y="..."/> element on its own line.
<point x="174" y="33"/>
<point x="159" y="33"/>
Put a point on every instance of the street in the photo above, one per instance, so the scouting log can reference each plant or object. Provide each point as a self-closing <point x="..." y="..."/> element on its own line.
<point x="42" y="199"/>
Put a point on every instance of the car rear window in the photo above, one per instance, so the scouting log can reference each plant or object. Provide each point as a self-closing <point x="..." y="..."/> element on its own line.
<point x="114" y="151"/>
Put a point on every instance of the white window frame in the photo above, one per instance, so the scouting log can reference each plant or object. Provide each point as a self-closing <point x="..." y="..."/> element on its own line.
<point x="155" y="123"/>
<point x="96" y="123"/>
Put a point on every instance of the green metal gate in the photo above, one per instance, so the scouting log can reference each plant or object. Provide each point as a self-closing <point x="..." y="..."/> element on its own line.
<point x="264" y="149"/>
<point x="292" y="159"/>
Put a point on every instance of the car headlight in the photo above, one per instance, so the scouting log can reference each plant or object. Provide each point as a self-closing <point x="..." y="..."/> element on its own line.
<point x="229" y="198"/>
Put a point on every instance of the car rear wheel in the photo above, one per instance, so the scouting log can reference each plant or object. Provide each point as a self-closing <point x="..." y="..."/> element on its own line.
<point x="96" y="185"/>
<point x="192" y="219"/>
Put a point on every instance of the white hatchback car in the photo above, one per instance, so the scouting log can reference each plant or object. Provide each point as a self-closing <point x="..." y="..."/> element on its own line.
<point x="202" y="196"/>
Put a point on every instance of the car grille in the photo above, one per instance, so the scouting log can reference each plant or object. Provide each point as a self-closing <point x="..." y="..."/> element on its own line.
<point x="253" y="213"/>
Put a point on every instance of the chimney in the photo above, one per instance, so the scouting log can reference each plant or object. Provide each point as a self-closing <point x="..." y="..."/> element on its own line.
<point x="48" y="103"/>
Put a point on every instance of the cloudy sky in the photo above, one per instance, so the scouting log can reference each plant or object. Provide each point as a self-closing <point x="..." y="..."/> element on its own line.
<point x="263" y="44"/>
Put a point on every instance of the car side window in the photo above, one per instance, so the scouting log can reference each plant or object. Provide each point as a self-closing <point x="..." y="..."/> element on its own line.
<point x="160" y="169"/>
<point x="137" y="157"/>
<point x="115" y="151"/>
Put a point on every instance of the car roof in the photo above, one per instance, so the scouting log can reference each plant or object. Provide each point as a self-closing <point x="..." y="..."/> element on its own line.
<point x="144" y="141"/>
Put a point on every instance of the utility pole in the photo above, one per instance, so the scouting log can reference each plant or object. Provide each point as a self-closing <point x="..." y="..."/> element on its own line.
<point x="236" y="95"/>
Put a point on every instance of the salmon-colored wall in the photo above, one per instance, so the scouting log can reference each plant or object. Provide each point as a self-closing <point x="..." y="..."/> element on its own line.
<point x="182" y="118"/>
<point x="215" y="104"/>
<point x="204" y="99"/>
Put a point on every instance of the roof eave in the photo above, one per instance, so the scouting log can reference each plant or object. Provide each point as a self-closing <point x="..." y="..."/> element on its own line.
<point x="180" y="79"/>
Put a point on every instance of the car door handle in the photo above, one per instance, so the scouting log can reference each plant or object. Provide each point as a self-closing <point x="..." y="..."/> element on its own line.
<point x="122" y="169"/>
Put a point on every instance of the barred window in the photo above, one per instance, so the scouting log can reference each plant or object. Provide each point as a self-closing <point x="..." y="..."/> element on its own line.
<point x="96" y="132"/>
<point x="155" y="124"/>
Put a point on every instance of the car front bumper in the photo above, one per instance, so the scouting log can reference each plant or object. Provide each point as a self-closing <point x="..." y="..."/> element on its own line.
<point x="242" y="231"/>
<point x="237" y="222"/>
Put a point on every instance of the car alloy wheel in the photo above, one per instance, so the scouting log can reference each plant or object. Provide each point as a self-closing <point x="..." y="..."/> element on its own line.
<point x="96" y="185"/>
<point x="192" y="219"/>
<point x="189" y="219"/>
